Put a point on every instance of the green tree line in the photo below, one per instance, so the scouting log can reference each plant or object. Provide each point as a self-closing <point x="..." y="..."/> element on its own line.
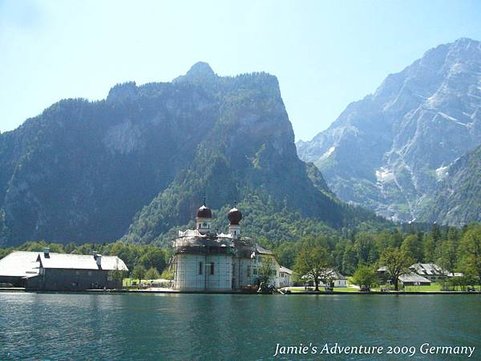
<point x="453" y="249"/>
<point x="346" y="250"/>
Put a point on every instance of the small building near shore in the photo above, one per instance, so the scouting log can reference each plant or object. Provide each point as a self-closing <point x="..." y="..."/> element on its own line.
<point x="285" y="277"/>
<point x="339" y="279"/>
<point x="431" y="271"/>
<point x="413" y="279"/>
<point x="48" y="271"/>
<point x="330" y="278"/>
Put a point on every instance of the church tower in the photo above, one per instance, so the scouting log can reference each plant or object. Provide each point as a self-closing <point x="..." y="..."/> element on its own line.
<point x="234" y="217"/>
<point x="203" y="219"/>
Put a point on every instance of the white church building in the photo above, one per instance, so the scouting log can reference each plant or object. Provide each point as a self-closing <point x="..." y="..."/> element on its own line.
<point x="208" y="261"/>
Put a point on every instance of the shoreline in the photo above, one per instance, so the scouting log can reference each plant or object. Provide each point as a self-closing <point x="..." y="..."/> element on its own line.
<point x="311" y="293"/>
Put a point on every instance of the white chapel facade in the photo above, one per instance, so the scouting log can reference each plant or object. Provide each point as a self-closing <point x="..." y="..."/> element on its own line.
<point x="208" y="261"/>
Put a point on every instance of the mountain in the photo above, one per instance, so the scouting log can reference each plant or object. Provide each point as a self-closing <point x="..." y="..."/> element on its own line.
<point x="458" y="198"/>
<point x="390" y="150"/>
<point x="139" y="163"/>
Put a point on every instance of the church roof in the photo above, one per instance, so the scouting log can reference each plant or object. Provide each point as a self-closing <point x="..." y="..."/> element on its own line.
<point x="262" y="250"/>
<point x="234" y="216"/>
<point x="204" y="212"/>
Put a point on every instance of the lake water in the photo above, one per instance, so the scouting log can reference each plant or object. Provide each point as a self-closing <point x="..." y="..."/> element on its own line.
<point x="36" y="326"/>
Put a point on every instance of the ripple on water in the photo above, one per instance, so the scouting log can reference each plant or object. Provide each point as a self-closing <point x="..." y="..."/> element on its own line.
<point x="223" y="327"/>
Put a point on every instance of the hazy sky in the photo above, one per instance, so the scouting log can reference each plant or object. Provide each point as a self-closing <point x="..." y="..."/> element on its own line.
<point x="325" y="54"/>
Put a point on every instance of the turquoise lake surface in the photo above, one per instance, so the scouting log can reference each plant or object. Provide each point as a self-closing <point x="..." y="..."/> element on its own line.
<point x="49" y="326"/>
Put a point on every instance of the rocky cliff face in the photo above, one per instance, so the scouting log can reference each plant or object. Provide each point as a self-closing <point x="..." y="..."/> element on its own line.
<point x="457" y="199"/>
<point x="390" y="150"/>
<point x="249" y="151"/>
<point x="81" y="171"/>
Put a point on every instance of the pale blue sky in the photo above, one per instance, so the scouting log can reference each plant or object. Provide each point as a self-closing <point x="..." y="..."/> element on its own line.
<point x="325" y="54"/>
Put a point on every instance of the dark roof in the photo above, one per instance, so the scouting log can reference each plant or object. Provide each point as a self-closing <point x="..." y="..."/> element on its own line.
<point x="204" y="212"/>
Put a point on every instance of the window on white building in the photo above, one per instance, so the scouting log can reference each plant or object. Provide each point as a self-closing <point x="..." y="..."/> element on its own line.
<point x="201" y="266"/>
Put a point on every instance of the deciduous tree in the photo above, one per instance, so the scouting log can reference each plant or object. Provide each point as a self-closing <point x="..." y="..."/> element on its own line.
<point x="365" y="276"/>
<point x="266" y="270"/>
<point x="413" y="246"/>
<point x="397" y="263"/>
<point x="139" y="272"/>
<point x="470" y="251"/>
<point x="313" y="262"/>
<point x="152" y="274"/>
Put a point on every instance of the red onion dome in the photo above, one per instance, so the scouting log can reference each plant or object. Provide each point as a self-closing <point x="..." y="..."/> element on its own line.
<point x="234" y="216"/>
<point x="204" y="212"/>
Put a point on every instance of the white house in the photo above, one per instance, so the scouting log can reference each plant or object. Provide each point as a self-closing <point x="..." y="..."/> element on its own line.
<point x="285" y="277"/>
<point x="337" y="279"/>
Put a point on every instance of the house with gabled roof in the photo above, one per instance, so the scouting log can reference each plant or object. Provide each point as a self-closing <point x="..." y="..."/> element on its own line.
<point x="413" y="279"/>
<point x="48" y="271"/>
<point x="431" y="271"/>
